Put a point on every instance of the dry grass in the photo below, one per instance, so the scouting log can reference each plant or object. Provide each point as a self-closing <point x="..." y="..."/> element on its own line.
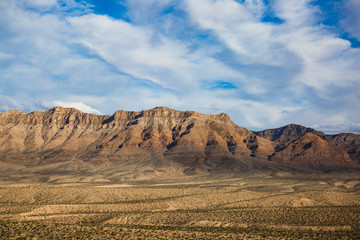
<point x="254" y="208"/>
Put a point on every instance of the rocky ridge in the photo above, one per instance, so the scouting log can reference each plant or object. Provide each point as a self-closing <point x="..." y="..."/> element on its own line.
<point x="343" y="146"/>
<point x="161" y="139"/>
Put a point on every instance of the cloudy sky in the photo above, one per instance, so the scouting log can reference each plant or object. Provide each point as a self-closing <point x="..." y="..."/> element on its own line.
<point x="266" y="63"/>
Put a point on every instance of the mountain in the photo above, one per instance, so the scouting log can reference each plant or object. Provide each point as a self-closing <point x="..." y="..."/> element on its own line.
<point x="293" y="135"/>
<point x="312" y="151"/>
<point x="286" y="133"/>
<point x="349" y="142"/>
<point x="164" y="141"/>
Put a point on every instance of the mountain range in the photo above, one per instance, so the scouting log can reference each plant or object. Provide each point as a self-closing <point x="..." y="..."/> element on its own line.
<point x="163" y="141"/>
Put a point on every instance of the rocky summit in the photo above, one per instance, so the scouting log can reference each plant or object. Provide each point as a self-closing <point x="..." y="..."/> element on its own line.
<point x="163" y="141"/>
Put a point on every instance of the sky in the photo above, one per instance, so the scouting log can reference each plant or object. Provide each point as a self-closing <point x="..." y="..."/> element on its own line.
<point x="266" y="63"/>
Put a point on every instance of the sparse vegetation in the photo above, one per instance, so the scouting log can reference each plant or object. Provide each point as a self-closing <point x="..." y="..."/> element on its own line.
<point x="221" y="209"/>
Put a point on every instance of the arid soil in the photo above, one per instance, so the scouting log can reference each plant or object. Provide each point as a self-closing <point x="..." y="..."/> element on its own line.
<point x="257" y="207"/>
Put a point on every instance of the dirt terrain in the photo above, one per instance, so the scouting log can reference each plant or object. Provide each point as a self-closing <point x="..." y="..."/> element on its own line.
<point x="168" y="174"/>
<point x="257" y="207"/>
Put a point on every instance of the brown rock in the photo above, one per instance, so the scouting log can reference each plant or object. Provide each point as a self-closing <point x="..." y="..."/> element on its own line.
<point x="187" y="137"/>
<point x="312" y="151"/>
<point x="162" y="137"/>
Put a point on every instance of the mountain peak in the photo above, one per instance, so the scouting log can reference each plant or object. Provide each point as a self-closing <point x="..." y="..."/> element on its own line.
<point x="12" y="112"/>
<point x="286" y="133"/>
<point x="164" y="112"/>
<point x="60" y="109"/>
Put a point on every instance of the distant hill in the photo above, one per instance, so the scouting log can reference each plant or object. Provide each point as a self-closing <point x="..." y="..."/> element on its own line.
<point x="293" y="134"/>
<point x="286" y="133"/>
<point x="165" y="142"/>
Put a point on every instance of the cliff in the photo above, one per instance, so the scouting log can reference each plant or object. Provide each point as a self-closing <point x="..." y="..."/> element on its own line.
<point x="162" y="137"/>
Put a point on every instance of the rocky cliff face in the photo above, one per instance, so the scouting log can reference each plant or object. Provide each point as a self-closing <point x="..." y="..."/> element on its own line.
<point x="161" y="137"/>
<point x="314" y="152"/>
<point x="303" y="144"/>
<point x="162" y="134"/>
<point x="349" y="142"/>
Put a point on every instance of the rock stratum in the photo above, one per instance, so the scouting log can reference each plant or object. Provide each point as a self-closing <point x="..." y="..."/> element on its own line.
<point x="162" y="142"/>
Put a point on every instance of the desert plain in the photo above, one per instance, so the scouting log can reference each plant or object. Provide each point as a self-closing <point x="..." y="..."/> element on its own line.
<point x="168" y="174"/>
<point x="257" y="206"/>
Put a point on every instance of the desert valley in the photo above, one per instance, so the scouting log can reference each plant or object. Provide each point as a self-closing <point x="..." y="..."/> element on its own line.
<point x="256" y="133"/>
<point x="168" y="174"/>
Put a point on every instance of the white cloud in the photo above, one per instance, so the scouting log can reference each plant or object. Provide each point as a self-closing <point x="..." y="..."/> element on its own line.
<point x="263" y="43"/>
<point x="78" y="105"/>
<point x="41" y="61"/>
<point x="296" y="13"/>
<point x="319" y="62"/>
<point x="239" y="27"/>
<point x="139" y="52"/>
<point x="8" y="103"/>
<point x="323" y="56"/>
<point x="354" y="127"/>
<point x="351" y="21"/>
<point x="145" y="11"/>
<point x="6" y="56"/>
<point x="40" y="3"/>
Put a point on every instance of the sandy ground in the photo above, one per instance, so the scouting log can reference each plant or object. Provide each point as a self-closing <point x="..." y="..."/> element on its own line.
<point x="302" y="207"/>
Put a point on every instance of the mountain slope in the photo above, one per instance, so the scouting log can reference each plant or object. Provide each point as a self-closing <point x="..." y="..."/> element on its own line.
<point x="343" y="142"/>
<point x="164" y="141"/>
<point x="312" y="151"/>
<point x="160" y="134"/>
<point x="349" y="142"/>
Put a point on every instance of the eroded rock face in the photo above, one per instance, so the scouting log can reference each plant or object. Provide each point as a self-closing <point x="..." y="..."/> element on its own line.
<point x="349" y="142"/>
<point x="159" y="136"/>
<point x="295" y="142"/>
<point x="189" y="138"/>
<point x="312" y="151"/>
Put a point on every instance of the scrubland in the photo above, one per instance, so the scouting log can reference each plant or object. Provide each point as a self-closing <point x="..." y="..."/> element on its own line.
<point x="257" y="207"/>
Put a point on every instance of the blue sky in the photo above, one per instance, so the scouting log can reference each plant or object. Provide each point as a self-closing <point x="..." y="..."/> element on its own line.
<point x="266" y="63"/>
